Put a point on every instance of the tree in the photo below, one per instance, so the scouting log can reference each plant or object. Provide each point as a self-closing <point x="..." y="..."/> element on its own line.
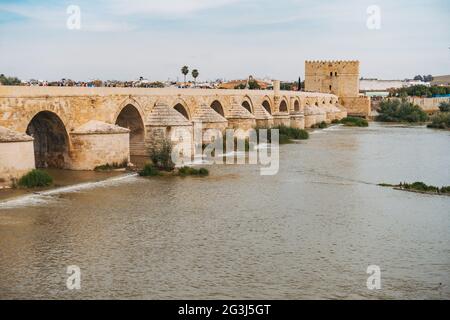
<point x="195" y="75"/>
<point x="253" y="85"/>
<point x="9" y="81"/>
<point x="444" y="106"/>
<point x="185" y="72"/>
<point x="418" y="78"/>
<point x="428" y="78"/>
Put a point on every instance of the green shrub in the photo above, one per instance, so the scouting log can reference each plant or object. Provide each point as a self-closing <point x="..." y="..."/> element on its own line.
<point x="149" y="171"/>
<point x="35" y="179"/>
<point x="419" y="186"/>
<point x="354" y="122"/>
<point x="320" y="125"/>
<point x="161" y="156"/>
<point x="188" y="171"/>
<point x="440" y="121"/>
<point x="400" y="111"/>
<point x="445" y="189"/>
<point x="444" y="107"/>
<point x="293" y="133"/>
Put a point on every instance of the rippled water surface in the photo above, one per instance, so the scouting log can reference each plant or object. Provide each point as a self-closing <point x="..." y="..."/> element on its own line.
<point x="309" y="232"/>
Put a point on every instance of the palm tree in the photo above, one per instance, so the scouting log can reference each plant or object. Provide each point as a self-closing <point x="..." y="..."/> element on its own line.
<point x="195" y="75"/>
<point x="185" y="72"/>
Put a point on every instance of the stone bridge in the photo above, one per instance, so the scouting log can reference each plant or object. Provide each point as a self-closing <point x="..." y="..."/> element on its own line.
<point x="81" y="128"/>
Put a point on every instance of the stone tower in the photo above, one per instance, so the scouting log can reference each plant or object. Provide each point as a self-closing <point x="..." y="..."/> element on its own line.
<point x="340" y="78"/>
<point x="337" y="77"/>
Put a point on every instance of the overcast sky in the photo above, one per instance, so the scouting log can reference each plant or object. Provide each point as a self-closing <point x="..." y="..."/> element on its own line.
<point x="125" y="39"/>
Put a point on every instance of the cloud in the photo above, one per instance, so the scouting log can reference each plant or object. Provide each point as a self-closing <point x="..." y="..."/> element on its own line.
<point x="166" y="8"/>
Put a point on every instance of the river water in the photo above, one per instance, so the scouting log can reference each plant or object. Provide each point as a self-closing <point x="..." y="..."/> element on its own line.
<point x="309" y="232"/>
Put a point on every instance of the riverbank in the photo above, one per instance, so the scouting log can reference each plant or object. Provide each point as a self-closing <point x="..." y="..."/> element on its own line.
<point x="61" y="179"/>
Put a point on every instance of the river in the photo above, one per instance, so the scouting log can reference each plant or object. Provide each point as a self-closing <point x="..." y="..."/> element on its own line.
<point x="309" y="232"/>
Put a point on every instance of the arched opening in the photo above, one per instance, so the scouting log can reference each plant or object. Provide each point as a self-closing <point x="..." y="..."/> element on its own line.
<point x="51" y="142"/>
<point x="247" y="106"/>
<point x="217" y="107"/>
<point x="130" y="118"/>
<point x="317" y="104"/>
<point x="283" y="106"/>
<point x="181" y="109"/>
<point x="296" y="106"/>
<point x="266" y="106"/>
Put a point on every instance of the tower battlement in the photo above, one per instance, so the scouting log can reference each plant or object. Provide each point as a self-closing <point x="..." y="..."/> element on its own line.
<point x="327" y="68"/>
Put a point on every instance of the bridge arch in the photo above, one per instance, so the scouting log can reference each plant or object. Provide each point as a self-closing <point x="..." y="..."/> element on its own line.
<point x="267" y="105"/>
<point x="182" y="108"/>
<point x="247" y="104"/>
<point x="297" y="105"/>
<point x="217" y="107"/>
<point x="283" y="106"/>
<point x="130" y="117"/>
<point x="51" y="140"/>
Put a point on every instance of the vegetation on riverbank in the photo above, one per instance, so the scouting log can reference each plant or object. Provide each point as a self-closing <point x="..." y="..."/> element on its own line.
<point x="35" y="179"/>
<point x="320" y="125"/>
<point x="286" y="134"/>
<point x="400" y="111"/>
<point x="112" y="167"/>
<point x="161" y="156"/>
<point x="420" y="91"/>
<point x="150" y="170"/>
<point x="162" y="164"/>
<point x="354" y="122"/>
<point x="189" y="171"/>
<point x="290" y="133"/>
<point x="440" y="121"/>
<point x="419" y="187"/>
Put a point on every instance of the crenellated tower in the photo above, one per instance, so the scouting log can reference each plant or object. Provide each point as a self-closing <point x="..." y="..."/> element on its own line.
<point x="337" y="77"/>
<point x="340" y="78"/>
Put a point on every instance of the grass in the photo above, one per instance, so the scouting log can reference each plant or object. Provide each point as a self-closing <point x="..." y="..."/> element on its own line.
<point x="293" y="133"/>
<point x="111" y="167"/>
<point x="321" y="125"/>
<point x="149" y="170"/>
<point x="354" y="122"/>
<point x="189" y="171"/>
<point x="419" y="187"/>
<point x="35" y="179"/>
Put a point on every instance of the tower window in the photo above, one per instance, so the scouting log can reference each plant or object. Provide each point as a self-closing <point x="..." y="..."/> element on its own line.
<point x="331" y="74"/>
<point x="335" y="74"/>
<point x="330" y="88"/>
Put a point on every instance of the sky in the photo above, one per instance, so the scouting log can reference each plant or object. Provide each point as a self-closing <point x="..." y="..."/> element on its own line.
<point x="227" y="39"/>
